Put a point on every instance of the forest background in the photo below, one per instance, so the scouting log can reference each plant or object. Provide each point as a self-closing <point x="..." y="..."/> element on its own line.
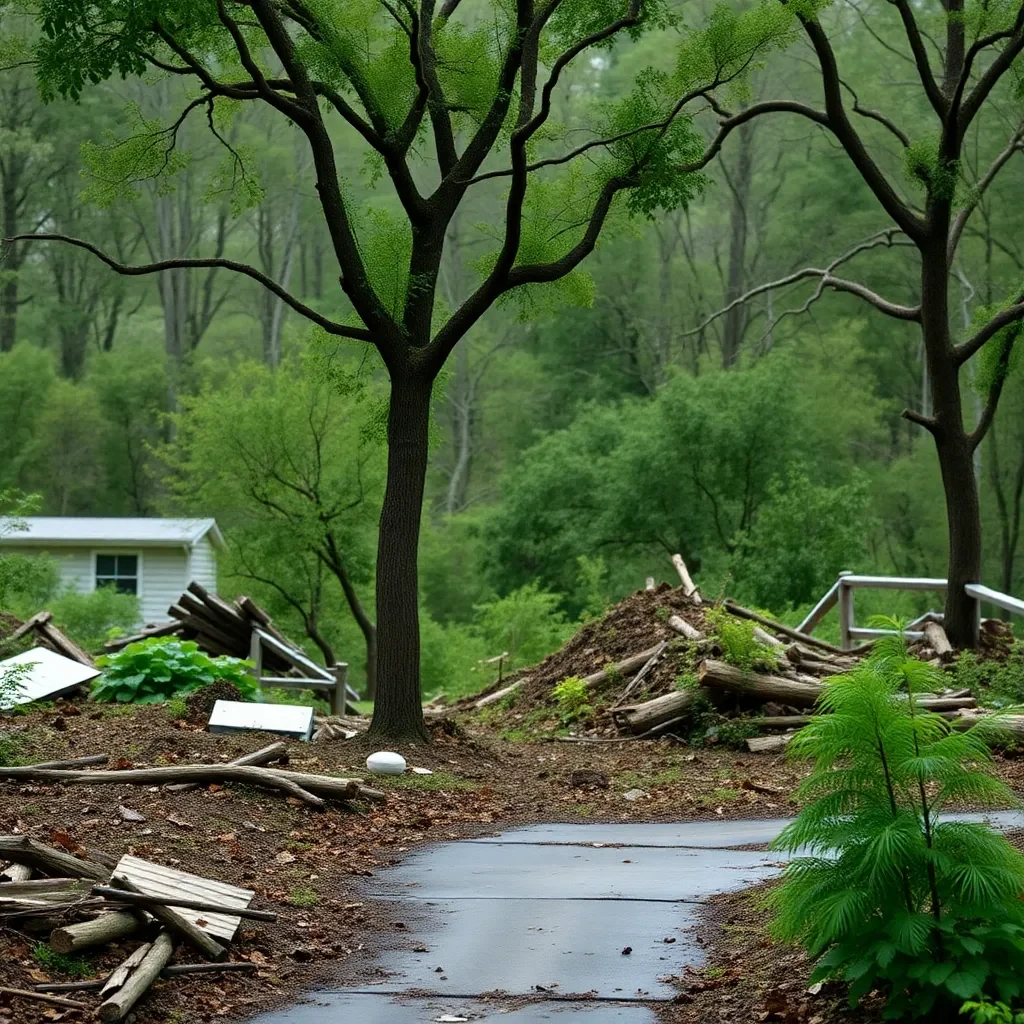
<point x="580" y="437"/>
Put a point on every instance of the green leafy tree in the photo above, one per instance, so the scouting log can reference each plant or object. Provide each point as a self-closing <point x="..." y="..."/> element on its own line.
<point x="430" y="92"/>
<point x="291" y="464"/>
<point x="884" y="890"/>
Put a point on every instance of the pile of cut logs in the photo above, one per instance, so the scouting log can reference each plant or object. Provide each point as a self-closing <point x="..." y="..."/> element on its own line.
<point x="785" y="697"/>
<point x="90" y="899"/>
<point x="218" y="626"/>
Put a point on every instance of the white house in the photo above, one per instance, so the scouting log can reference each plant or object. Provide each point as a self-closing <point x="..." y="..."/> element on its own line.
<point x="155" y="559"/>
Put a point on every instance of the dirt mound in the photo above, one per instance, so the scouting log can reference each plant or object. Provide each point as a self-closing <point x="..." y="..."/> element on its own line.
<point x="199" y="705"/>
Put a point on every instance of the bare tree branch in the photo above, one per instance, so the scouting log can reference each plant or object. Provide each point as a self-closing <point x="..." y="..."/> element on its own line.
<point x="874" y="115"/>
<point x="924" y="67"/>
<point x="928" y="422"/>
<point x="1015" y="145"/>
<point x="1002" y="319"/>
<point x="887" y="238"/>
<point x="139" y="270"/>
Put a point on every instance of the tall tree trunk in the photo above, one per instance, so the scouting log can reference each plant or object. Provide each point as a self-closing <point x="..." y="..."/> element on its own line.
<point x="740" y="183"/>
<point x="954" y="448"/>
<point x="10" y="265"/>
<point x="398" y="712"/>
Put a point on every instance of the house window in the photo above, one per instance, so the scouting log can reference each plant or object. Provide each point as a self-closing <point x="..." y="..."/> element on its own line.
<point x="118" y="571"/>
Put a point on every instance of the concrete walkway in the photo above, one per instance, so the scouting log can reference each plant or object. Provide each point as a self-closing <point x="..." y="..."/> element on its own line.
<point x="550" y="911"/>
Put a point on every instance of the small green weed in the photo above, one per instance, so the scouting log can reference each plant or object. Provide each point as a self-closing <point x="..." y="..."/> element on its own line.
<point x="1003" y="680"/>
<point x="10" y="747"/>
<point x="61" y="963"/>
<point x="301" y="896"/>
<point x="739" y="646"/>
<point x="176" y="708"/>
<point x="663" y="614"/>
<point x="573" y="699"/>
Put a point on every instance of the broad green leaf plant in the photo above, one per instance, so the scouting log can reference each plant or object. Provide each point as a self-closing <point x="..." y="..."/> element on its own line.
<point x="159" y="668"/>
<point x="886" y="892"/>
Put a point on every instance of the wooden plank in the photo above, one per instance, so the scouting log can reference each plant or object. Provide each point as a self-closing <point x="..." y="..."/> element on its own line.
<point x="219" y="607"/>
<point x="26" y="627"/>
<point x="1014" y="605"/>
<point x="64" y="644"/>
<point x="163" y="629"/>
<point x="156" y="880"/>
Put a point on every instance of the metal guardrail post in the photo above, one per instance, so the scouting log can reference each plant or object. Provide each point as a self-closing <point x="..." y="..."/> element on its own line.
<point x="845" y="612"/>
<point x="339" y="694"/>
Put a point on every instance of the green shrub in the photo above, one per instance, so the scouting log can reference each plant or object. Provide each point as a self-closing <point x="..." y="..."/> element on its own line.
<point x="61" y="963"/>
<point x="90" y="619"/>
<point x="739" y="646"/>
<point x="991" y="1013"/>
<point x="887" y="894"/>
<point x="160" y="668"/>
<point x="1003" y="679"/>
<point x="573" y="699"/>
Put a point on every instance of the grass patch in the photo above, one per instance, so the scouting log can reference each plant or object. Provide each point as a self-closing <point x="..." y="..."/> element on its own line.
<point x="61" y="963"/>
<point x="302" y="896"/>
<point x="439" y="780"/>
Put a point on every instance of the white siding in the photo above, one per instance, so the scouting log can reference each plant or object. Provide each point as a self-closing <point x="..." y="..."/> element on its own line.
<point x="164" y="578"/>
<point x="74" y="564"/>
<point x="204" y="564"/>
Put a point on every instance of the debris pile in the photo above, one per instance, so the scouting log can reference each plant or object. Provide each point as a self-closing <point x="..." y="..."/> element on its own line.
<point x="39" y="631"/>
<point x="662" y="659"/>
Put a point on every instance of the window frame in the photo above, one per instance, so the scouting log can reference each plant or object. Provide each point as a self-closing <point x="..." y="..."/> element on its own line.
<point x="98" y="552"/>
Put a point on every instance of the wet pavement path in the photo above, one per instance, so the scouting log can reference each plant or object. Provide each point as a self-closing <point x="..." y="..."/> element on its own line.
<point x="548" y="911"/>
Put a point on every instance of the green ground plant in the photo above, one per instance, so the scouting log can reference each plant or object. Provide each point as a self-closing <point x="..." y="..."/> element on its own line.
<point x="991" y="1013"/>
<point x="61" y="963"/>
<point x="573" y="699"/>
<point x="883" y="891"/>
<point x="160" y="668"/>
<point x="739" y="645"/>
<point x="1000" y="683"/>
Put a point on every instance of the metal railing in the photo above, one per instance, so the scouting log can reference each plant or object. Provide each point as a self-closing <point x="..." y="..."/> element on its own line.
<point x="841" y="593"/>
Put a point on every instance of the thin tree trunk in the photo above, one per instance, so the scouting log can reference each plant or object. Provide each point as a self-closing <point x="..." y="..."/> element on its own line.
<point x="398" y="712"/>
<point x="9" y="267"/>
<point x="955" y="450"/>
<point x="736" y="318"/>
<point x="366" y="626"/>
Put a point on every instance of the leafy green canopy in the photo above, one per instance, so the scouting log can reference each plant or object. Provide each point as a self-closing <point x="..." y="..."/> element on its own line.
<point x="358" y="55"/>
<point x="885" y="891"/>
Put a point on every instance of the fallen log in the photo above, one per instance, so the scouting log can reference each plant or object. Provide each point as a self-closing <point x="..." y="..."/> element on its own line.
<point x="74" y="762"/>
<point x="493" y="698"/>
<point x="670" y="707"/>
<point x="332" y="786"/>
<point x="267" y="755"/>
<point x="45" y="888"/>
<point x="623" y="668"/>
<point x="155" y="960"/>
<point x="172" y="971"/>
<point x="179" y="773"/>
<point x="120" y="974"/>
<point x="763" y="637"/>
<point x="794" y="634"/>
<point x="643" y="673"/>
<point x="768" y="744"/>
<point x="144" y="900"/>
<point x="47" y="859"/>
<point x="70" y="1004"/>
<point x="106" y="928"/>
<point x="689" y="587"/>
<point x="721" y="675"/>
<point x="172" y="920"/>
<point x="936" y="637"/>
<point x="782" y="721"/>
<point x="679" y="625"/>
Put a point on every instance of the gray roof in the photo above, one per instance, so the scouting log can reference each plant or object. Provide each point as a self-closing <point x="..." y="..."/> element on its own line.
<point x="77" y="530"/>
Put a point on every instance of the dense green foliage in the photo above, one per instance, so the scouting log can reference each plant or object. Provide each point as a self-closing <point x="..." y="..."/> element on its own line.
<point x="159" y="668"/>
<point x="884" y="890"/>
<point x="602" y="418"/>
<point x="92" y="618"/>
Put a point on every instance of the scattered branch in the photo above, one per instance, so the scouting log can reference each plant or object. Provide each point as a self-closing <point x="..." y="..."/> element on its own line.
<point x="139" y="270"/>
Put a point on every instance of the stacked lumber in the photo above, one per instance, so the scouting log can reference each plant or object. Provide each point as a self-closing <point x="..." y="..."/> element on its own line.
<point x="94" y="899"/>
<point x="219" y="627"/>
<point x="48" y="635"/>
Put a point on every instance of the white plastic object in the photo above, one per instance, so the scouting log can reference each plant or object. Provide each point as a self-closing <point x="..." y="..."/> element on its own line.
<point x="385" y="762"/>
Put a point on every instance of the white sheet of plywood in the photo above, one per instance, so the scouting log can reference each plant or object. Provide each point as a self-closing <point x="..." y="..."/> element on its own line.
<point x="49" y="676"/>
<point x="156" y="880"/>
<point x="241" y="716"/>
